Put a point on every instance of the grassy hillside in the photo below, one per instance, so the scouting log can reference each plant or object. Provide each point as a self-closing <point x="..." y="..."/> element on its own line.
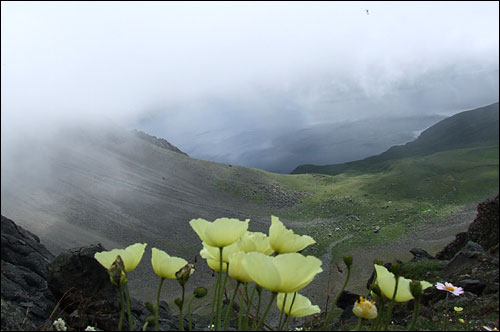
<point x="478" y="127"/>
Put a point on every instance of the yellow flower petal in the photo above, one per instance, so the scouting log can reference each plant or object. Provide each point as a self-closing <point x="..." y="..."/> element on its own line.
<point x="255" y="241"/>
<point x="164" y="265"/>
<point x="387" y="281"/>
<point x="296" y="270"/>
<point x="107" y="258"/>
<point x="215" y="265"/>
<point x="236" y="269"/>
<point x="220" y="233"/>
<point x="285" y="273"/>
<point x="262" y="270"/>
<point x="131" y="256"/>
<point x="301" y="306"/>
<point x="365" y="309"/>
<point x="284" y="240"/>
<point x="212" y="255"/>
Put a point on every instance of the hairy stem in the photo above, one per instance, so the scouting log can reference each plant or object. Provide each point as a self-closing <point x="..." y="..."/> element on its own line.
<point x="230" y="306"/>
<point x="329" y="314"/>
<point x="158" y="305"/>
<point x="266" y="311"/>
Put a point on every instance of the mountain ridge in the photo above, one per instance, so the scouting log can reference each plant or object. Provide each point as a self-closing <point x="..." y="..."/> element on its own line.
<point x="463" y="130"/>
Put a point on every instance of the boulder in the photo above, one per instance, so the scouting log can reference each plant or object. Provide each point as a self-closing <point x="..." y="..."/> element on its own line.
<point x="347" y="299"/>
<point x="420" y="254"/>
<point x="472" y="286"/>
<point x="27" y="301"/>
<point x="470" y="256"/>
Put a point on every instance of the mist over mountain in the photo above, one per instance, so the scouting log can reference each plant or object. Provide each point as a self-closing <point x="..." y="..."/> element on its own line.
<point x="478" y="127"/>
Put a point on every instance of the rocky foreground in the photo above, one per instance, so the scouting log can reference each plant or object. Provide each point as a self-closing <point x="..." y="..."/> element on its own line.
<point x="37" y="288"/>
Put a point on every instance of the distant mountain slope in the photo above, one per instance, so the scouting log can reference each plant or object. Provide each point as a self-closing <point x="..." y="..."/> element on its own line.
<point x="478" y="127"/>
<point x="162" y="143"/>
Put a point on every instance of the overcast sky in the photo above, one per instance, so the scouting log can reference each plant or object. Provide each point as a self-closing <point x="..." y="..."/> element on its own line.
<point x="212" y="77"/>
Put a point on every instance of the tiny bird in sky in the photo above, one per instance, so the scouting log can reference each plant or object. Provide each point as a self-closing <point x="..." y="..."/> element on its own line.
<point x="367" y="12"/>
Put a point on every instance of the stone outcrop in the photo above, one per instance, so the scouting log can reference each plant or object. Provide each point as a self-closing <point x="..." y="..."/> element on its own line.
<point x="483" y="230"/>
<point x="27" y="301"/>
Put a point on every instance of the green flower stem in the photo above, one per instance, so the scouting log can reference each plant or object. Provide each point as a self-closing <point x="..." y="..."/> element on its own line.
<point x="189" y="312"/>
<point x="360" y="323"/>
<point x="282" y="310"/>
<point x="230" y="306"/>
<point x="158" y="305"/>
<point x="391" y="305"/>
<point x="130" y="321"/>
<point x="219" y="295"/>
<point x="240" y="313"/>
<point x="416" y="312"/>
<point x="380" y="315"/>
<point x="181" y="318"/>
<point x="258" y="310"/>
<point x="249" y="303"/>
<point x="214" y="301"/>
<point x="122" y="311"/>
<point x="329" y="314"/>
<point x="273" y="297"/>
<point x="445" y="312"/>
<point x="291" y="306"/>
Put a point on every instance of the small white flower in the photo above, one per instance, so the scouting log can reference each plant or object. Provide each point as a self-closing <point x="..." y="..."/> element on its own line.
<point x="60" y="325"/>
<point x="90" y="328"/>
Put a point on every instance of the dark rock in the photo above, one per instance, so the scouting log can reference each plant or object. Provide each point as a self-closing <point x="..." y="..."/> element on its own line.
<point x="483" y="230"/>
<point x="346" y="299"/>
<point x="26" y="299"/>
<point x="420" y="254"/>
<point x="473" y="286"/>
<point x="470" y="255"/>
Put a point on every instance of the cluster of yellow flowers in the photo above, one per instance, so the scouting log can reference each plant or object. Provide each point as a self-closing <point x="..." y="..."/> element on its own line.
<point x="249" y="257"/>
<point x="273" y="262"/>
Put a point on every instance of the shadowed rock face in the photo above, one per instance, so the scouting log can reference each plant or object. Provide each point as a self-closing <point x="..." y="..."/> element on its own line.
<point x="483" y="230"/>
<point x="26" y="299"/>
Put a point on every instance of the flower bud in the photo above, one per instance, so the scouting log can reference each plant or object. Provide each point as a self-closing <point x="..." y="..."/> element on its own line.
<point x="348" y="260"/>
<point x="416" y="289"/>
<point x="396" y="269"/>
<point x="200" y="292"/>
<point x="150" y="307"/>
<point x="151" y="320"/>
<point x="178" y="302"/>
<point x="183" y="274"/>
<point x="117" y="272"/>
<point x="376" y="289"/>
<point x="378" y="261"/>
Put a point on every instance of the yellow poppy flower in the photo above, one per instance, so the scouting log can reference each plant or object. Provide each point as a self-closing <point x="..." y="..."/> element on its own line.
<point x="220" y="233"/>
<point x="131" y="256"/>
<point x="236" y="269"/>
<point x="387" y="281"/>
<point x="284" y="240"/>
<point x="212" y="255"/>
<point x="255" y="241"/>
<point x="285" y="273"/>
<point x="365" y="309"/>
<point x="301" y="306"/>
<point x="165" y="265"/>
